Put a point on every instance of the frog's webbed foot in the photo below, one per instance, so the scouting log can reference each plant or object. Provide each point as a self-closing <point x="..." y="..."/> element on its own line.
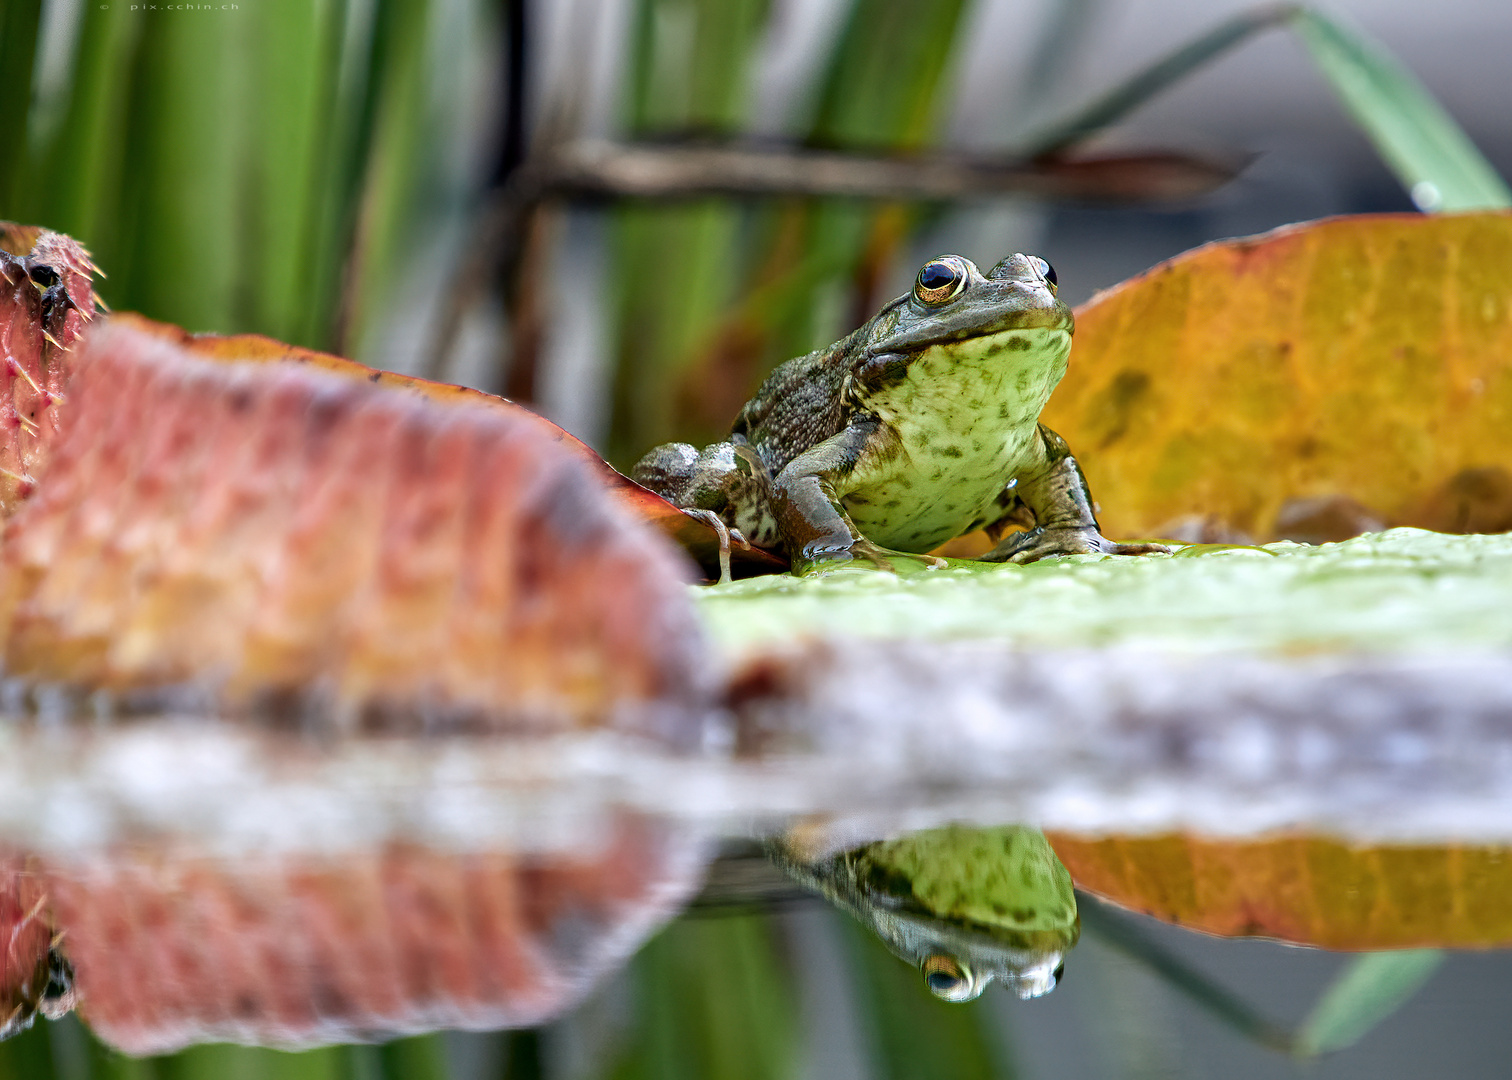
<point x="1040" y="542"/>
<point x="820" y="560"/>
<point x="727" y="537"/>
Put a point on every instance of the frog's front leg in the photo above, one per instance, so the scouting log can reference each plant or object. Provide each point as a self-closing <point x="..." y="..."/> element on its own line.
<point x="1055" y="492"/>
<point x="814" y="527"/>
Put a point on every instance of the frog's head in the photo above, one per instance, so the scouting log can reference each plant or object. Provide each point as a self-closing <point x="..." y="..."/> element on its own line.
<point x="958" y="959"/>
<point x="952" y="301"/>
<point x="964" y="905"/>
<point x="1006" y="324"/>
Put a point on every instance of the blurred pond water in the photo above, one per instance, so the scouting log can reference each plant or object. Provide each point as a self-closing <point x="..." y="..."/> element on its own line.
<point x="179" y="882"/>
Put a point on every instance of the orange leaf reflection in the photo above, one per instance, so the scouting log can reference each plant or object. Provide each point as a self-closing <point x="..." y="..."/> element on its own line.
<point x="1307" y="890"/>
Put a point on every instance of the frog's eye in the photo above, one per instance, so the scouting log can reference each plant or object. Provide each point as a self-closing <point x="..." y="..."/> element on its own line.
<point x="947" y="978"/>
<point x="1047" y="272"/>
<point x="940" y="282"/>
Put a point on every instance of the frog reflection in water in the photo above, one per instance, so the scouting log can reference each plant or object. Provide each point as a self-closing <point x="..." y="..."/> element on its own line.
<point x="965" y="905"/>
<point x="919" y="427"/>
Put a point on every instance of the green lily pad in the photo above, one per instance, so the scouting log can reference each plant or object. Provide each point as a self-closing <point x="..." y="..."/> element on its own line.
<point x="1403" y="589"/>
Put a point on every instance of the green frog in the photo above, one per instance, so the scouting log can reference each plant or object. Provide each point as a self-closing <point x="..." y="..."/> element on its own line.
<point x="965" y="905"/>
<point x="919" y="427"/>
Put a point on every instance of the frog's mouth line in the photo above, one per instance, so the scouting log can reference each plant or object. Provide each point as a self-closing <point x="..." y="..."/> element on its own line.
<point x="1025" y="344"/>
<point x="1052" y="322"/>
<point x="1023" y="945"/>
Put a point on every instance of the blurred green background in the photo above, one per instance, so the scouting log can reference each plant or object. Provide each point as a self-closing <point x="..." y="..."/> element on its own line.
<point x="325" y="172"/>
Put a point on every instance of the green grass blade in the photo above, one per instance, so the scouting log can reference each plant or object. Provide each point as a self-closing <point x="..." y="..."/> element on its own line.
<point x="108" y="1064"/>
<point x="397" y="163"/>
<point x="420" y="1057"/>
<point x="20" y="21"/>
<point x="685" y="362"/>
<point x="284" y="163"/>
<point x="689" y="71"/>
<point x="359" y="50"/>
<point x="1429" y="153"/>
<point x="331" y="208"/>
<point x="690" y="64"/>
<point x="417" y="116"/>
<point x="662" y="329"/>
<point x="523" y="1057"/>
<point x="1129" y="937"/>
<point x="1067" y="26"/>
<point x="1419" y="141"/>
<point x="1369" y="989"/>
<point x="28" y="1056"/>
<point x="176" y="252"/>
<point x="714" y="1003"/>
<point x="881" y="85"/>
<point x="1160" y="76"/>
<point x="75" y="187"/>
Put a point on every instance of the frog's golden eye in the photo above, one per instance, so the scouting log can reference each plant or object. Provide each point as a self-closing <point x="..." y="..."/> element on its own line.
<point x="947" y="978"/>
<point x="940" y="282"/>
<point x="1047" y="272"/>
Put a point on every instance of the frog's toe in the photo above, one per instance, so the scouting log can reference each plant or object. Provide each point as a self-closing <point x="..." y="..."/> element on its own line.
<point x="1143" y="548"/>
<point x="862" y="551"/>
<point x="821" y="562"/>
<point x="1040" y="543"/>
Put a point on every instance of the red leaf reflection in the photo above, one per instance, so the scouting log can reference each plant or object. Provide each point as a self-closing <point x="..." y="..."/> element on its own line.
<point x="169" y="950"/>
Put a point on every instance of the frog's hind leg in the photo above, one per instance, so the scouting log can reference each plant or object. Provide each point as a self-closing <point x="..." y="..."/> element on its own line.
<point x="670" y="470"/>
<point x="724" y="483"/>
<point x="710" y="479"/>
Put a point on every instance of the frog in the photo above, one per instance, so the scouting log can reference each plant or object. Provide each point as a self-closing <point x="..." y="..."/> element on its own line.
<point x="964" y="904"/>
<point x="919" y="427"/>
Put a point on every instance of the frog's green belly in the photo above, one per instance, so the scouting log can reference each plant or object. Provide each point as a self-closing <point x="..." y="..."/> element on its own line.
<point x="920" y="506"/>
<point x="963" y="424"/>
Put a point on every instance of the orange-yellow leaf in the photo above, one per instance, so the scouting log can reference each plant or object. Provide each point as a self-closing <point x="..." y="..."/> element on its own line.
<point x="1365" y="357"/>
